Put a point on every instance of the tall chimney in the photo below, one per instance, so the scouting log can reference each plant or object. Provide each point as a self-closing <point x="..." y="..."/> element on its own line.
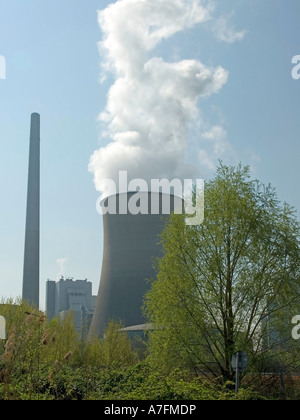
<point x="31" y="272"/>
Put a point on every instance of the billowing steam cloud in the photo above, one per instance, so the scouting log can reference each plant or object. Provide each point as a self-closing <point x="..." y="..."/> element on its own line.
<point x="152" y="102"/>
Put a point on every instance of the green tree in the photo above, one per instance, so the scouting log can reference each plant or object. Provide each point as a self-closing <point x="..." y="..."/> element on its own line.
<point x="60" y="339"/>
<point x="114" y="350"/>
<point x="229" y="284"/>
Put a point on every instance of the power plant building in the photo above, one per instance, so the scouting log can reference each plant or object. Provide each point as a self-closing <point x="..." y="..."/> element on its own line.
<point x="131" y="246"/>
<point x="68" y="295"/>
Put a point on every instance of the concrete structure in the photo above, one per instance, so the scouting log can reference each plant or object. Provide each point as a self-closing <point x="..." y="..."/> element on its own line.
<point x="69" y="295"/>
<point x="31" y="269"/>
<point x="131" y="244"/>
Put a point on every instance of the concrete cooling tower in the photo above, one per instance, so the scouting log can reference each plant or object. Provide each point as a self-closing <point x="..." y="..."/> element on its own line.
<point x="131" y="244"/>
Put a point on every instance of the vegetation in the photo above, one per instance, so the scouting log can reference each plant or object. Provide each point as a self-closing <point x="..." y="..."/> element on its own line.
<point x="43" y="360"/>
<point x="229" y="284"/>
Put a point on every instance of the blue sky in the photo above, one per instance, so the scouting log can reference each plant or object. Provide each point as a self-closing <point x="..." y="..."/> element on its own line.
<point x="53" y="67"/>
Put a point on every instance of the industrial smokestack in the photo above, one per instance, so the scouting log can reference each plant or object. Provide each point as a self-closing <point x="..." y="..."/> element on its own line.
<point x="32" y="232"/>
<point x="131" y="244"/>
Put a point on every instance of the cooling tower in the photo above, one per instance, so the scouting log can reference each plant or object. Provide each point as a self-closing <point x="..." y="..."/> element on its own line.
<point x="131" y="244"/>
<point x="32" y="233"/>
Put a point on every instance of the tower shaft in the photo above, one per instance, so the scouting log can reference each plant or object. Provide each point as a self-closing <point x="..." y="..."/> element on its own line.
<point x="31" y="271"/>
<point x="131" y="245"/>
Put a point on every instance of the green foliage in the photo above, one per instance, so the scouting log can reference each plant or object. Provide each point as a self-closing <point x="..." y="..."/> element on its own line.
<point x="141" y="383"/>
<point x="231" y="283"/>
<point x="49" y="362"/>
<point x="133" y="383"/>
<point x="33" y="345"/>
<point x="114" y="351"/>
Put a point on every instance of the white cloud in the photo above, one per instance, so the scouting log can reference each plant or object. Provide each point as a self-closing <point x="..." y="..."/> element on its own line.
<point x="224" y="31"/>
<point x="205" y="160"/>
<point x="218" y="136"/>
<point x="152" y="103"/>
<point x="131" y="28"/>
<point x="217" y="147"/>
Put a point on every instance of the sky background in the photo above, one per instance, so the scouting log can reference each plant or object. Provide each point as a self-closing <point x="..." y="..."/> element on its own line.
<point x="55" y="68"/>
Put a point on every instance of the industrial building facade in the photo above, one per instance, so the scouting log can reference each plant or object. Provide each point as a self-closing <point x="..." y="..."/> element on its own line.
<point x="68" y="295"/>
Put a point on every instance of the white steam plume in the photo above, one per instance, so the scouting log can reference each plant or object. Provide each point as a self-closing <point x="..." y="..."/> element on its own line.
<point x="61" y="262"/>
<point x="152" y="102"/>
